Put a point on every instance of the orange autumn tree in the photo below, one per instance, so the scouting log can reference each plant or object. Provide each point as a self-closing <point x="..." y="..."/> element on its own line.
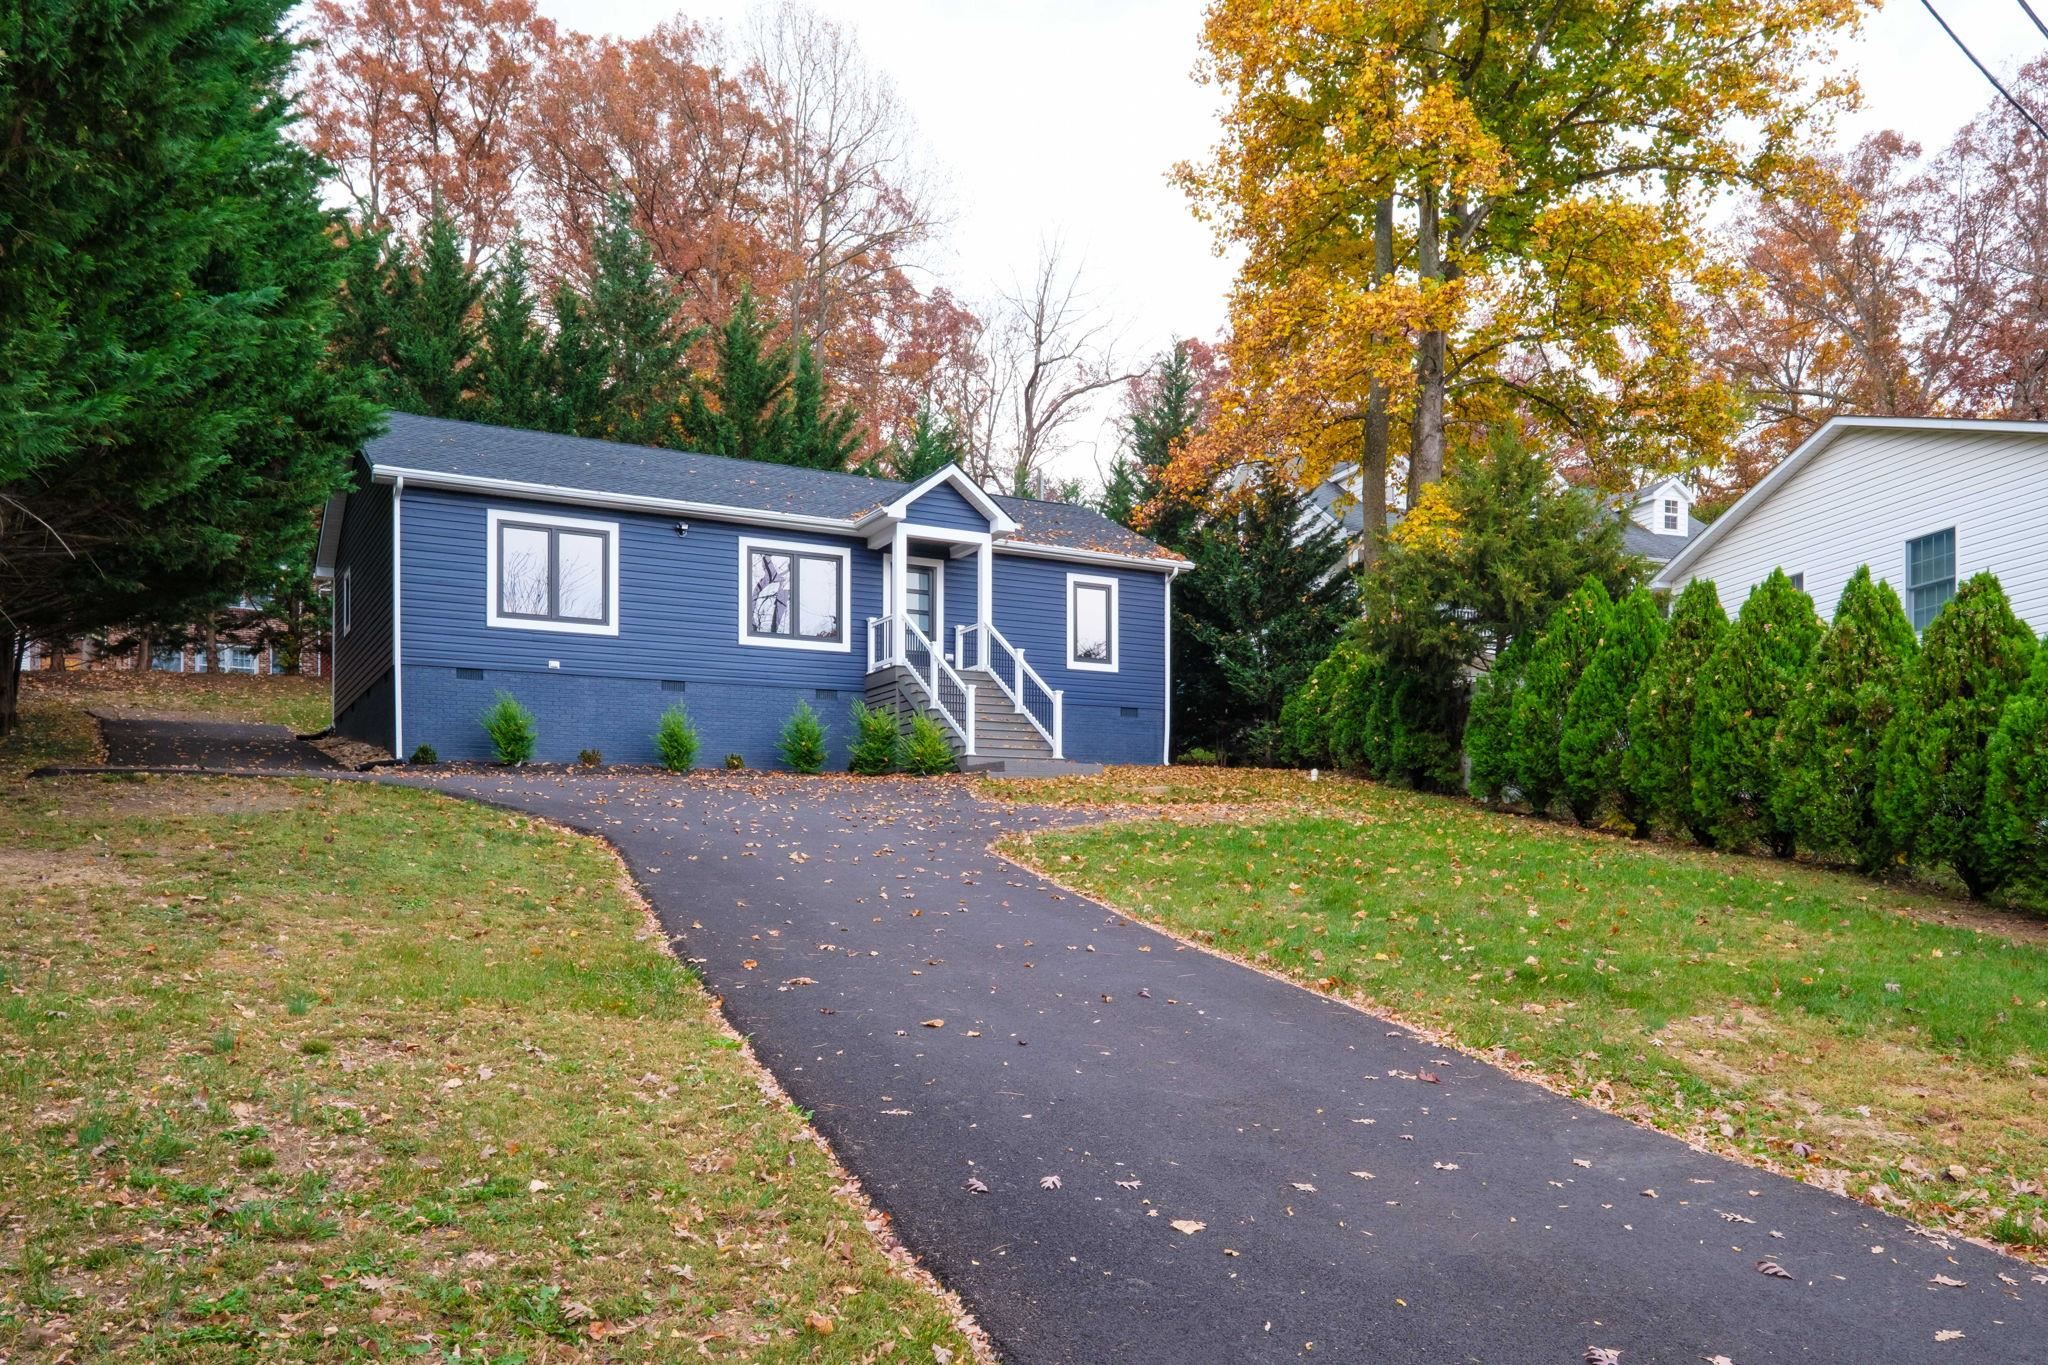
<point x="1457" y="212"/>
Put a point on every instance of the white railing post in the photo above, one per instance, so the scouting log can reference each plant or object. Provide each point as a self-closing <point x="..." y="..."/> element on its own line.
<point x="872" y="622"/>
<point x="970" y="720"/>
<point x="959" y="646"/>
<point x="1018" y="655"/>
<point x="1059" y="729"/>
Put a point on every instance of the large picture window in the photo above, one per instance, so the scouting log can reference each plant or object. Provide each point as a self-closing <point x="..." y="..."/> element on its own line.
<point x="553" y="573"/>
<point x="1091" y="623"/>
<point x="793" y="596"/>
<point x="1930" y="575"/>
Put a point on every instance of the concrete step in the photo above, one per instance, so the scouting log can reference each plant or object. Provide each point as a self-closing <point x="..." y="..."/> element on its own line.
<point x="1027" y="767"/>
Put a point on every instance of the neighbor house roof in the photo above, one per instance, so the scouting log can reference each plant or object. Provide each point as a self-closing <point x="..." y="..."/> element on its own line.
<point x="434" y="451"/>
<point x="1834" y="429"/>
<point x="1653" y="545"/>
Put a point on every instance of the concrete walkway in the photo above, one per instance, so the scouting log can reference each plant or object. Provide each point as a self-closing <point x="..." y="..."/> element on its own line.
<point x="1119" y="1149"/>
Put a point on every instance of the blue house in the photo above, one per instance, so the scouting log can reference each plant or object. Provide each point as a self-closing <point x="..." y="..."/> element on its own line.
<point x="600" y="583"/>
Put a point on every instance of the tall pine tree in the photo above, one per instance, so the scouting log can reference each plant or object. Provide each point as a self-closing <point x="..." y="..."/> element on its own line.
<point x="1656" y="769"/>
<point x="1596" y="720"/>
<point x="822" y="435"/>
<point x="509" y="379"/>
<point x="170" y="417"/>
<point x="2015" y="839"/>
<point x="1164" y="414"/>
<point x="744" y="411"/>
<point x="1556" y="661"/>
<point x="629" y="318"/>
<point x="934" y="443"/>
<point x="1826" y="754"/>
<point x="432" y="335"/>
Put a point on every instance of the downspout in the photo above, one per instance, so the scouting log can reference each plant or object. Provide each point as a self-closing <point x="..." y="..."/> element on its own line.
<point x="397" y="622"/>
<point x="1166" y="722"/>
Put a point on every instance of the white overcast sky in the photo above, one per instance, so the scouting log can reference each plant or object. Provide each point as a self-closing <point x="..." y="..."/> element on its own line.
<point x="1064" y="118"/>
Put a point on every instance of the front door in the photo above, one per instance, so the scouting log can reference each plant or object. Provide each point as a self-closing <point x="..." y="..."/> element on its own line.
<point x="921" y="591"/>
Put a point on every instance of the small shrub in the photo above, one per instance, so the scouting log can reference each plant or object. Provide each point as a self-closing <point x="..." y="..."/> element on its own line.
<point x="425" y="754"/>
<point x="2016" y="799"/>
<point x="514" y="735"/>
<point x="1744" y="694"/>
<point x="1198" y="757"/>
<point x="590" y="758"/>
<point x="1596" y="717"/>
<point x="803" y="740"/>
<point x="733" y="763"/>
<point x="1488" y="725"/>
<point x="1657" y="769"/>
<point x="926" y="752"/>
<point x="1933" y="771"/>
<point x="675" y="739"/>
<point x="875" y="741"/>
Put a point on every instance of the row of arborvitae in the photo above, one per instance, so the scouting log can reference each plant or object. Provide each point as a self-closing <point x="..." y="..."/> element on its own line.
<point x="878" y="746"/>
<point x="1851" y="741"/>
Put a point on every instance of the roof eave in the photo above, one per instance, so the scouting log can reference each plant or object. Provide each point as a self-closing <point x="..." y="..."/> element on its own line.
<point x="328" y="549"/>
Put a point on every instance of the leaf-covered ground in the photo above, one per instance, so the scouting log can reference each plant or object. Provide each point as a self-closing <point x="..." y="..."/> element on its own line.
<point x="1880" y="1040"/>
<point x="301" y="703"/>
<point x="300" y="1070"/>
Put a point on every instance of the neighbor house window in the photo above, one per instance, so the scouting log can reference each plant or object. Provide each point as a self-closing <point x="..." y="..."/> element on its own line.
<point x="237" y="659"/>
<point x="1930" y="575"/>
<point x="1091" y="622"/>
<point x="166" y="660"/>
<point x="1799" y="581"/>
<point x="793" y="596"/>
<point x="553" y="573"/>
<point x="1671" y="514"/>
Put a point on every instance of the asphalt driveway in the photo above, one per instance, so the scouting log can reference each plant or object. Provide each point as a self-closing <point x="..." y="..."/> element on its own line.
<point x="143" y="741"/>
<point x="1116" y="1148"/>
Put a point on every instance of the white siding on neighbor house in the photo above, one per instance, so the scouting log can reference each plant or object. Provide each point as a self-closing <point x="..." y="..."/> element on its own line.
<point x="1859" y="500"/>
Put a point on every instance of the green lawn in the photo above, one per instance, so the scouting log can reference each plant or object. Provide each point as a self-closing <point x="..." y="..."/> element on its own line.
<point x="1883" y="1040"/>
<point x="337" y="1071"/>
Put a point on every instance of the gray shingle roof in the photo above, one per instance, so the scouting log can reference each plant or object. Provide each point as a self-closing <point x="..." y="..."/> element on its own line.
<point x="1652" y="545"/>
<point x="440" y="446"/>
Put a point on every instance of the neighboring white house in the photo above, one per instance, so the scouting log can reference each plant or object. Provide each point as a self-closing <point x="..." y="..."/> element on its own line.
<point x="1925" y="502"/>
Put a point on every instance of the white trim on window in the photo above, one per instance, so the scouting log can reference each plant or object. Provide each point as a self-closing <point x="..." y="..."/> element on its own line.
<point x="938" y="568"/>
<point x="1088" y="580"/>
<point x="495" y="516"/>
<point x="844" y="554"/>
<point x="1671" y="516"/>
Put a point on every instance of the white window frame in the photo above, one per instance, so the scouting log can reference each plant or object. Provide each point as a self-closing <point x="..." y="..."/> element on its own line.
<point x="519" y="516"/>
<point x="844" y="554"/>
<point x="938" y="568"/>
<point x="347" y="595"/>
<point x="1671" y="515"/>
<point x="1116" y="648"/>
<point x="255" y="659"/>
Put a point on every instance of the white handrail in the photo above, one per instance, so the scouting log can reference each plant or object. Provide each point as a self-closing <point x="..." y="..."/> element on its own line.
<point x="1021" y="672"/>
<point x="939" y="668"/>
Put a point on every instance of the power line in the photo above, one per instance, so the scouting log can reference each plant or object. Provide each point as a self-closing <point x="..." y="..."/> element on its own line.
<point x="1984" y="70"/>
<point x="2035" y="17"/>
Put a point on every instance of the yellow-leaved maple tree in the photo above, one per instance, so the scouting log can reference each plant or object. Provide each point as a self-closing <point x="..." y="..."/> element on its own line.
<point x="1454" y="213"/>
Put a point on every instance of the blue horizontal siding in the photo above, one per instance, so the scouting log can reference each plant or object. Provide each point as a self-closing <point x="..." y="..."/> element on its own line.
<point x="1031" y="612"/>
<point x="946" y="506"/>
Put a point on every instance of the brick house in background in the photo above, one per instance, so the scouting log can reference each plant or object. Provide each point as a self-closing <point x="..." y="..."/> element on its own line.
<point x="243" y="641"/>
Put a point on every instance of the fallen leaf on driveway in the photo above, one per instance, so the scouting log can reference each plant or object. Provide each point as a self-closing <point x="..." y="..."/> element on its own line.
<point x="1363" y="1175"/>
<point x="1602" y="1355"/>
<point x="1772" y="1268"/>
<point x="1948" y="1334"/>
<point x="1582" y="1163"/>
<point x="750" y="964"/>
<point x="1188" y="1226"/>
<point x="1304" y="1187"/>
<point x="1949" y="1282"/>
<point x="1048" y="1182"/>
<point x="1717" y="1360"/>
<point x="1431" y="1077"/>
<point x="1128" y="1184"/>
<point x="934" y="1023"/>
<point x="974" y="1185"/>
<point x="800" y="981"/>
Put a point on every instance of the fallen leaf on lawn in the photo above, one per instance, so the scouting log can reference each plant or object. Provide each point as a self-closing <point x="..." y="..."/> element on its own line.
<point x="974" y="1185"/>
<point x="941" y="1356"/>
<point x="819" y="1323"/>
<point x="536" y="1186"/>
<point x="934" y="1023"/>
<point x="1048" y="1182"/>
<point x="1188" y="1226"/>
<point x="1772" y="1268"/>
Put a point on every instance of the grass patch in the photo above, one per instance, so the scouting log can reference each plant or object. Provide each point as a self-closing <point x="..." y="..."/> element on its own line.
<point x="280" y="699"/>
<point x="1822" y="1023"/>
<point x="337" y="1070"/>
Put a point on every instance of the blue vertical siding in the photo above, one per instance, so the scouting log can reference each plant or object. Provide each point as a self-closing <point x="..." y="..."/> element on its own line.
<point x="362" y="657"/>
<point x="946" y="506"/>
<point x="1115" y="717"/>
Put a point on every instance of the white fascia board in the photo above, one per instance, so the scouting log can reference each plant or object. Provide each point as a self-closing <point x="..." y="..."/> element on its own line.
<point x="999" y="521"/>
<point x="329" y="547"/>
<point x="623" y="502"/>
<point x="1033" y="550"/>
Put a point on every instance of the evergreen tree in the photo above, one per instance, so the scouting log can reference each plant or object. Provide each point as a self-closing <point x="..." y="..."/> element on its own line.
<point x="510" y="376"/>
<point x="746" y="413"/>
<point x="1596" y="720"/>
<point x="821" y="436"/>
<point x="361" y="339"/>
<point x="629" y="313"/>
<point x="1489" y="724"/>
<point x="170" y="416"/>
<point x="433" y="326"/>
<point x="1827" y="751"/>
<point x="1557" y="659"/>
<point x="1744" y="696"/>
<point x="934" y="444"/>
<point x="1164" y="414"/>
<point x="1123" y="492"/>
<point x="575" y="369"/>
<point x="2015" y="842"/>
<point x="1259" y="608"/>
<point x="1656" y="769"/>
<point x="1932" y="770"/>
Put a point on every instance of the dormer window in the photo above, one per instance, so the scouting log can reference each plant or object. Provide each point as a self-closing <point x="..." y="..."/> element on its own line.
<point x="1671" y="515"/>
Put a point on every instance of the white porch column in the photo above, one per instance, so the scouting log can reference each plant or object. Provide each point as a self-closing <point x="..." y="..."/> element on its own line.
<point x="899" y="560"/>
<point x="985" y="593"/>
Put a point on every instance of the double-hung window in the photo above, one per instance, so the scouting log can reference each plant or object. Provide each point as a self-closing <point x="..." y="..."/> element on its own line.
<point x="1671" y="514"/>
<point x="1930" y="575"/>
<point x="553" y="573"/>
<point x="793" y="596"/>
<point x="1091" y="623"/>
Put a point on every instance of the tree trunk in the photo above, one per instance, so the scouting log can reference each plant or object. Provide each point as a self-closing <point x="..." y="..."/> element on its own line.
<point x="210" y="651"/>
<point x="145" y="649"/>
<point x="1426" y="449"/>
<point x="11" y="647"/>
<point x="1372" y="471"/>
